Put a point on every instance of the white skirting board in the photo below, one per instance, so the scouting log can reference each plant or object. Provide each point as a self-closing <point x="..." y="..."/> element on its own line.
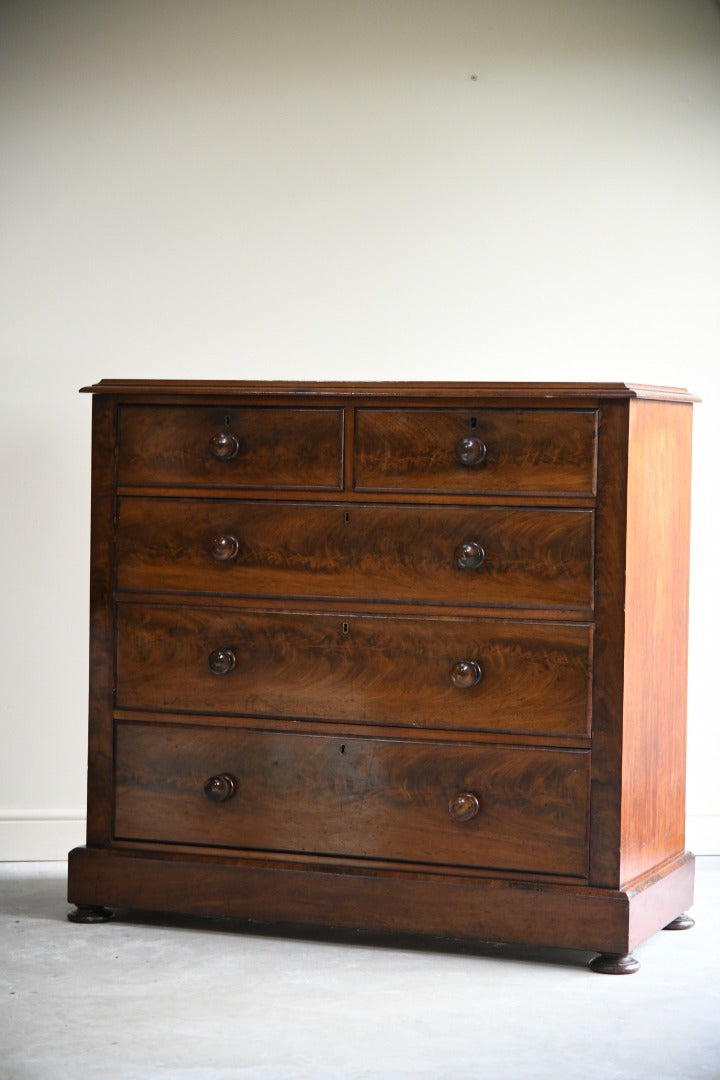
<point x="48" y="835"/>
<point x="702" y="834"/>
<point x="40" y="835"/>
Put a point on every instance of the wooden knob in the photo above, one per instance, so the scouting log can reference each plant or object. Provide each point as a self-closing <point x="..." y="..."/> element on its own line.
<point x="465" y="674"/>
<point x="221" y="661"/>
<point x="224" y="445"/>
<point x="463" y="806"/>
<point x="469" y="555"/>
<point x="225" y="547"/>
<point x="220" y="788"/>
<point x="470" y="450"/>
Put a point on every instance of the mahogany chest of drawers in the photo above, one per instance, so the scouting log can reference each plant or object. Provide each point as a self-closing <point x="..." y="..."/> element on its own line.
<point x="402" y="658"/>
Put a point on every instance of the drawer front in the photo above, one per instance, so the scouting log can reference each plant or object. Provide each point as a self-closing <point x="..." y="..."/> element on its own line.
<point x="462" y="674"/>
<point x="230" y="447"/>
<point x="513" y="451"/>
<point x="515" y="557"/>
<point x="500" y="807"/>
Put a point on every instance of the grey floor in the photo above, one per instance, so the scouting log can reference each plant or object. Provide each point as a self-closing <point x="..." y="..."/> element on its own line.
<point x="140" y="999"/>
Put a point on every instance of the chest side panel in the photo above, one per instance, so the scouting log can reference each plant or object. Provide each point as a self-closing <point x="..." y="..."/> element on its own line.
<point x="655" y="690"/>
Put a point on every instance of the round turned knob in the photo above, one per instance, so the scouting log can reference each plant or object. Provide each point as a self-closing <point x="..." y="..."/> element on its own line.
<point x="466" y="674"/>
<point x="463" y="806"/>
<point x="222" y="661"/>
<point x="469" y="555"/>
<point x="224" y="445"/>
<point x="220" y="788"/>
<point x="225" y="547"/>
<point x="470" y="450"/>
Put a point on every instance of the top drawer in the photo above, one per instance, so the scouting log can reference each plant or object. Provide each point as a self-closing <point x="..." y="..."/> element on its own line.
<point x="513" y="451"/>
<point x="230" y="447"/>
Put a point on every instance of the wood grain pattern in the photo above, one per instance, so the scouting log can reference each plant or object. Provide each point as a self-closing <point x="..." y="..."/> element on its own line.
<point x="362" y="797"/>
<point x="458" y="392"/>
<point x="282" y="448"/>
<point x="655" y="899"/>
<point x="608" y="651"/>
<point x="389" y="901"/>
<point x="656" y="601"/>
<point x="102" y="659"/>
<point x="532" y="558"/>
<point x="533" y="452"/>
<point x="361" y="668"/>
<point x="402" y="657"/>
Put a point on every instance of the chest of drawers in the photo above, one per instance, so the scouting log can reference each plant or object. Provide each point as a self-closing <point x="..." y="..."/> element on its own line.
<point x="400" y="658"/>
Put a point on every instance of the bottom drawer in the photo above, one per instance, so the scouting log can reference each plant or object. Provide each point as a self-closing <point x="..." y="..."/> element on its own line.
<point x="514" y="808"/>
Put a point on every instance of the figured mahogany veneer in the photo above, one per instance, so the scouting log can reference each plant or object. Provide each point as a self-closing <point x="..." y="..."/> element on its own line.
<point x="394" y="657"/>
<point x="493" y="450"/>
<point x="246" y="447"/>
<point x="365" y="669"/>
<point x="368" y="798"/>
<point x="530" y="558"/>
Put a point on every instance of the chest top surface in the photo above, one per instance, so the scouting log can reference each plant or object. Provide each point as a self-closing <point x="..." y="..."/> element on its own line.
<point x="538" y="392"/>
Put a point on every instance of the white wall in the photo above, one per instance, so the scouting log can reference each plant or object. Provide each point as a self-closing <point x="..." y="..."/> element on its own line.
<point x="512" y="189"/>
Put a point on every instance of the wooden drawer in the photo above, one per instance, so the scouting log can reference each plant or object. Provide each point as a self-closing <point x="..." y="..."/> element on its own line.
<point x="230" y="447"/>
<point x="513" y="451"/>
<point x="515" y="557"/>
<point x="523" y="809"/>
<point x="534" y="677"/>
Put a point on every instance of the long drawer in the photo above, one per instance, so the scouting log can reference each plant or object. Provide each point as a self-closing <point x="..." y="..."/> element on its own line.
<point x="462" y="674"/>
<point x="517" y="451"/>
<point x="511" y="556"/>
<point x="489" y="806"/>
<point x="230" y="447"/>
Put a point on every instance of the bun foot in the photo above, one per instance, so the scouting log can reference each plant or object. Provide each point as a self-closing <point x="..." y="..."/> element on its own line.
<point x="683" y="922"/>
<point x="90" y="913"/>
<point x="612" y="964"/>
